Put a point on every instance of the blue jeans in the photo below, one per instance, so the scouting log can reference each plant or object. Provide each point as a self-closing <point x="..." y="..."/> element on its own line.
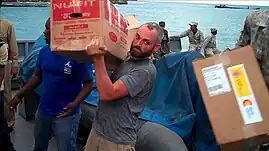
<point x="64" y="129"/>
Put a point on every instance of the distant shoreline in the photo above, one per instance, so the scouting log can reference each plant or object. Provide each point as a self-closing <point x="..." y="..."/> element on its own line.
<point x="240" y="3"/>
<point x="25" y="4"/>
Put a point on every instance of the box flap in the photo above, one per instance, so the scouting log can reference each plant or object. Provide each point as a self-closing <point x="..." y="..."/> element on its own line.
<point x="132" y="22"/>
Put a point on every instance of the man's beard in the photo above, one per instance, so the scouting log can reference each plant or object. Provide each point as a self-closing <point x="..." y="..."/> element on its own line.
<point x="136" y="53"/>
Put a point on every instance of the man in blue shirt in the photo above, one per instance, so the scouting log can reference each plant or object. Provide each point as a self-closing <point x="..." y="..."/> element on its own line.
<point x="59" y="110"/>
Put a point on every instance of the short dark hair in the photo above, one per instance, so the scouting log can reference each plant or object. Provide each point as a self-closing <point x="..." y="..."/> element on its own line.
<point x="157" y="27"/>
<point x="162" y="23"/>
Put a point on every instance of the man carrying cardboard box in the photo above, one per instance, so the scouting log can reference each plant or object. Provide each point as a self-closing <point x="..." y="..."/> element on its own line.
<point x="59" y="109"/>
<point x="123" y="96"/>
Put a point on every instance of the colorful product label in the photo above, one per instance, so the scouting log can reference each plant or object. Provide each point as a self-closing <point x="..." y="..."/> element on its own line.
<point x="244" y="95"/>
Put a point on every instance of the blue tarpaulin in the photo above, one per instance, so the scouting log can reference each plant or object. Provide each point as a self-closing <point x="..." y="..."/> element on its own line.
<point x="176" y="102"/>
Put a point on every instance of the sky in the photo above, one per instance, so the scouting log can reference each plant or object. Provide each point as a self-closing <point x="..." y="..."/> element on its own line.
<point x="241" y="2"/>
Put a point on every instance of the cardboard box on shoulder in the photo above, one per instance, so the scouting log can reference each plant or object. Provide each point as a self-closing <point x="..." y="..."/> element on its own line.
<point x="236" y="98"/>
<point x="76" y="24"/>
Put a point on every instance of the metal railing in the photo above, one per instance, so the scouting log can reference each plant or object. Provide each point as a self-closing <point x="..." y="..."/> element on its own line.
<point x="24" y="48"/>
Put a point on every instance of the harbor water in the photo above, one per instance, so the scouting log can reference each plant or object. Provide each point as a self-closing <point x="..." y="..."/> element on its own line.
<point x="29" y="21"/>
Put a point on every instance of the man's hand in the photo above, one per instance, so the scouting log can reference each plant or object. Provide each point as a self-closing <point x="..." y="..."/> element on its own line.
<point x="12" y="105"/>
<point x="67" y="110"/>
<point x="95" y="51"/>
<point x="14" y="71"/>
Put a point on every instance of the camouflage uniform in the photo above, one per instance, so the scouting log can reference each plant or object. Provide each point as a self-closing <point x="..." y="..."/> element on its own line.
<point x="253" y="28"/>
<point x="164" y="47"/>
<point x="7" y="33"/>
<point x="209" y="47"/>
<point x="195" y="40"/>
<point x="165" y="42"/>
<point x="262" y="53"/>
<point x="256" y="32"/>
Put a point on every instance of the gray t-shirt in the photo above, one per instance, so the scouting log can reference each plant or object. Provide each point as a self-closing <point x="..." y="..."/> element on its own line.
<point x="116" y="120"/>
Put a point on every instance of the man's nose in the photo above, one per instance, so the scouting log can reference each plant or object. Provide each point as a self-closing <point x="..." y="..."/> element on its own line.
<point x="139" y="42"/>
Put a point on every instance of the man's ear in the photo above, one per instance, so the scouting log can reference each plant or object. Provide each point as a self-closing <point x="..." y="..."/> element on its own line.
<point x="157" y="47"/>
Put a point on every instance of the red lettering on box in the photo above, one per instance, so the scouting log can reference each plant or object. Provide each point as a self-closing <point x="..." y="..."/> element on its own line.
<point x="123" y="40"/>
<point x="63" y="8"/>
<point x="123" y="24"/>
<point x="78" y="26"/>
<point x="113" y="37"/>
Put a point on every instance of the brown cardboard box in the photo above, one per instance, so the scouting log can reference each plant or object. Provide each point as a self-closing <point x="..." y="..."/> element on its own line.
<point x="78" y="23"/>
<point x="133" y="26"/>
<point x="236" y="98"/>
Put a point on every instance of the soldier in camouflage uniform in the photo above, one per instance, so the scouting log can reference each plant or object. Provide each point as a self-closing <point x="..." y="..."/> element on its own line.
<point x="209" y="47"/>
<point x="254" y="25"/>
<point x="7" y="33"/>
<point x="196" y="37"/>
<point x="256" y="32"/>
<point x="165" y="44"/>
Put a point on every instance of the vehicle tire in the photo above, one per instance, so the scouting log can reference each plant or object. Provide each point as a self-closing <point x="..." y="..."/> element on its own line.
<point x="155" y="137"/>
<point x="85" y="124"/>
<point x="150" y="137"/>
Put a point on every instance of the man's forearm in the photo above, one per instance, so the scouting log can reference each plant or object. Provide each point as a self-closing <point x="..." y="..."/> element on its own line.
<point x="184" y="34"/>
<point x="30" y="85"/>
<point x="103" y="82"/>
<point x="84" y="92"/>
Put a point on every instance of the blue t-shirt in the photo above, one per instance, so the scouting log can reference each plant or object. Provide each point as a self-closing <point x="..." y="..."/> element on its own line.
<point x="62" y="79"/>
